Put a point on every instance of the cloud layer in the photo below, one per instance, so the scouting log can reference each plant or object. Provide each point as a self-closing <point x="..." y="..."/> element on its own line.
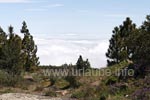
<point x="14" y="1"/>
<point x="60" y="51"/>
<point x="45" y="8"/>
<point x="54" y="5"/>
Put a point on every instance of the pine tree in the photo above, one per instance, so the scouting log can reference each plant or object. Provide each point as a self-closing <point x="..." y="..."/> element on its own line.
<point x="140" y="44"/>
<point x="118" y="50"/>
<point x="81" y="64"/>
<point x="87" y="64"/>
<point x="3" y="39"/>
<point x="128" y="29"/>
<point x="30" y="49"/>
<point x="146" y="24"/>
<point x="11" y="58"/>
<point x="113" y="50"/>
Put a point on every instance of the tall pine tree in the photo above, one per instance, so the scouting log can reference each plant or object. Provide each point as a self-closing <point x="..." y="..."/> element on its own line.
<point x="12" y="58"/>
<point x="80" y="63"/>
<point x="118" y="50"/>
<point x="140" y="44"/>
<point x="3" y="39"/>
<point x="30" y="49"/>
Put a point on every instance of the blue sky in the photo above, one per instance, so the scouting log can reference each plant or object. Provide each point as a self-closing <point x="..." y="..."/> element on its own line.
<point x="79" y="26"/>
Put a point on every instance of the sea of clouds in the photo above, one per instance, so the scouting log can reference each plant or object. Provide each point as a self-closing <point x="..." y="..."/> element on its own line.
<point x="58" y="50"/>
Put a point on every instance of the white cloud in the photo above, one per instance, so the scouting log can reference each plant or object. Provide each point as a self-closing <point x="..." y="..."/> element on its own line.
<point x="60" y="51"/>
<point x="54" y="5"/>
<point x="70" y="34"/>
<point x="35" y="9"/>
<point x="103" y="45"/>
<point x="14" y="1"/>
<point x="44" y="8"/>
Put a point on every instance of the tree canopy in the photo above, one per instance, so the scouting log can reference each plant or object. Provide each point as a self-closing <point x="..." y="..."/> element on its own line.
<point x="17" y="54"/>
<point x="118" y="49"/>
<point x="81" y="64"/>
<point x="131" y="43"/>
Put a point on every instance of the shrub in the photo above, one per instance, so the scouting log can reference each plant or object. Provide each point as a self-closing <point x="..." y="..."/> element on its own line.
<point x="141" y="94"/>
<point x="39" y="88"/>
<point x="111" y="80"/>
<point x="73" y="81"/>
<point x="62" y="84"/>
<point x="118" y="97"/>
<point x="7" y="90"/>
<point x="53" y="80"/>
<point x="103" y="96"/>
<point x="50" y="93"/>
<point x="118" y="88"/>
<point x="9" y="79"/>
<point x="78" y="94"/>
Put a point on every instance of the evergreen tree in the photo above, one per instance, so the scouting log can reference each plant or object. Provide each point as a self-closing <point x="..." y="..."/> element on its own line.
<point x="140" y="44"/>
<point x="30" y="49"/>
<point x="81" y="64"/>
<point x="87" y="64"/>
<point x="113" y="50"/>
<point x="3" y="39"/>
<point x="146" y="24"/>
<point x="128" y="29"/>
<point x="11" y="58"/>
<point x="118" y="49"/>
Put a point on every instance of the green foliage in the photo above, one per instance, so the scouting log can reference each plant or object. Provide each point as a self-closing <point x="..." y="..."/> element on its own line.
<point x="29" y="49"/>
<point x="118" y="50"/>
<point x="3" y="39"/>
<point x="8" y="90"/>
<point x="61" y="83"/>
<point x="78" y="95"/>
<point x="131" y="43"/>
<point x="111" y="80"/>
<point x="74" y="83"/>
<point x="118" y="97"/>
<point x="139" y="44"/>
<point x="141" y="94"/>
<point x="50" y="93"/>
<point x="103" y="96"/>
<point x="81" y="64"/>
<point x="53" y="80"/>
<point x="17" y="54"/>
<point x="12" y="56"/>
<point x="39" y="88"/>
<point x="7" y="79"/>
<point x="86" y="93"/>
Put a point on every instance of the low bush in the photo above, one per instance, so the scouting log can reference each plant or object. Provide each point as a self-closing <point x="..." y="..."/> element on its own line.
<point x="103" y="96"/>
<point x="78" y="94"/>
<point x="111" y="80"/>
<point x="39" y="88"/>
<point x="62" y="84"/>
<point x="141" y="94"/>
<point x="73" y="81"/>
<point x="7" y="79"/>
<point x="50" y="93"/>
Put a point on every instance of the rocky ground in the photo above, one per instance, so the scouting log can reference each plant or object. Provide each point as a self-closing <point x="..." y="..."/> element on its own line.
<point x="21" y="96"/>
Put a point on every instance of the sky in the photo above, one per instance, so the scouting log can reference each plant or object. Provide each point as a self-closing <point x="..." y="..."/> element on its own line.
<point x="65" y="29"/>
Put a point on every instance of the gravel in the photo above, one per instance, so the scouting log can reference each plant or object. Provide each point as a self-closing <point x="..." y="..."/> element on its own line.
<point x="21" y="96"/>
